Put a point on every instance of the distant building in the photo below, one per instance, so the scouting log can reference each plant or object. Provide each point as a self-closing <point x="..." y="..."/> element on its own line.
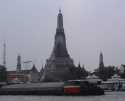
<point x="60" y="66"/>
<point x="114" y="83"/>
<point x="34" y="74"/>
<point x="21" y="76"/>
<point x="30" y="75"/>
<point x="14" y="77"/>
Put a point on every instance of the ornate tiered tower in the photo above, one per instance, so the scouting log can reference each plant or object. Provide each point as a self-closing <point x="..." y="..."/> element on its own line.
<point x="18" y="63"/>
<point x="101" y="64"/>
<point x="59" y="67"/>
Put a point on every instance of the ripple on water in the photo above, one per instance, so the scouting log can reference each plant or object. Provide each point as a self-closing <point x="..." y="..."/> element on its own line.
<point x="109" y="96"/>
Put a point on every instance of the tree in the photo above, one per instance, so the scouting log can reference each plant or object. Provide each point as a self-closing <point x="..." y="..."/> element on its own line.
<point x="3" y="74"/>
<point x="105" y="73"/>
<point x="122" y="73"/>
<point x="81" y="72"/>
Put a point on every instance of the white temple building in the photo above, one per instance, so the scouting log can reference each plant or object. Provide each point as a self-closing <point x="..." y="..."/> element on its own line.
<point x="114" y="83"/>
<point x="93" y="79"/>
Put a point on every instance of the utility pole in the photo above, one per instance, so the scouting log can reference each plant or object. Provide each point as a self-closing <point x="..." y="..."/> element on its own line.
<point x="4" y="54"/>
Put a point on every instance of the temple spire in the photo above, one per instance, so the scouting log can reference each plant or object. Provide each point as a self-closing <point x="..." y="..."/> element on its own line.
<point x="101" y="64"/>
<point x="60" y="21"/>
<point x="59" y="67"/>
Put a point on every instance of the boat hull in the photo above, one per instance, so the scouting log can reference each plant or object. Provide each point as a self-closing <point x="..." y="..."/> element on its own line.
<point x="48" y="89"/>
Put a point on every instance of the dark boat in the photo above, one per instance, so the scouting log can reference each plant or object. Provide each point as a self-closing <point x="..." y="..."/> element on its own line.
<point x="81" y="87"/>
<point x="74" y="87"/>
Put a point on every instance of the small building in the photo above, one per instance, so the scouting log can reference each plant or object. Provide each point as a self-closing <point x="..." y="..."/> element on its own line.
<point x="34" y="75"/>
<point x="23" y="76"/>
<point x="14" y="77"/>
<point x="114" y="83"/>
<point x="93" y="79"/>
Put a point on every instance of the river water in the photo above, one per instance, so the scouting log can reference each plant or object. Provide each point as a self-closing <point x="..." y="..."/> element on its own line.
<point x="109" y="96"/>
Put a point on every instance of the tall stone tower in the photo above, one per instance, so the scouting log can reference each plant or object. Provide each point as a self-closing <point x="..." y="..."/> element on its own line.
<point x="18" y="63"/>
<point x="59" y="67"/>
<point x="101" y="64"/>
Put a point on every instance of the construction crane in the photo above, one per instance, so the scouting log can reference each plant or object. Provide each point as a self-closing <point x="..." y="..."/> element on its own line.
<point x="27" y="64"/>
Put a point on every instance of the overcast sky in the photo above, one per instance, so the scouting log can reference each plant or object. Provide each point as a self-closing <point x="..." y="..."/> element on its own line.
<point x="91" y="26"/>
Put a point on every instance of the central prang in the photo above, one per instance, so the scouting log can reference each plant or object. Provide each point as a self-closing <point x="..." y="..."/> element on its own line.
<point x="59" y="67"/>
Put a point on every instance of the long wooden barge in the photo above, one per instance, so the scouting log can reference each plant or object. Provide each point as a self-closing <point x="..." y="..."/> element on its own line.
<point x="53" y="88"/>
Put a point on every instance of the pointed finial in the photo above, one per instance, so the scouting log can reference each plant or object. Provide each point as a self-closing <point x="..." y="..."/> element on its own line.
<point x="79" y="64"/>
<point x="101" y="53"/>
<point x="59" y="10"/>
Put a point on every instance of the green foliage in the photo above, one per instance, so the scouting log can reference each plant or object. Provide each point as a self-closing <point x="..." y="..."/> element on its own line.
<point x="3" y="74"/>
<point x="79" y="72"/>
<point x="122" y="74"/>
<point x="105" y="73"/>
